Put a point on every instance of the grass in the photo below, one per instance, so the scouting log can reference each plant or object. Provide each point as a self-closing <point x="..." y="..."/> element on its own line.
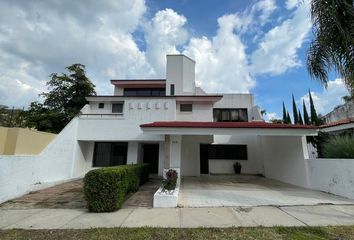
<point x="298" y="233"/>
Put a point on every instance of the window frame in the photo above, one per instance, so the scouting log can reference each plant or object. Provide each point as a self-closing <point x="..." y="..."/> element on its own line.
<point x="101" y="105"/>
<point x="219" y="114"/>
<point x="186" y="110"/>
<point x="117" y="103"/>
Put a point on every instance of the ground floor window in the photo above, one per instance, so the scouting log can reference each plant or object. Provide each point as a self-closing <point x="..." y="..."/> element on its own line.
<point x="232" y="152"/>
<point x="110" y="154"/>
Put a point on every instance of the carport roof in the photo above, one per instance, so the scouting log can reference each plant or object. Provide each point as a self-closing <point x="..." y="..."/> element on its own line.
<point x="229" y="128"/>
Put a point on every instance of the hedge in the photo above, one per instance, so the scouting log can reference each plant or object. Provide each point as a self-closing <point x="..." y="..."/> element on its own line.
<point x="105" y="188"/>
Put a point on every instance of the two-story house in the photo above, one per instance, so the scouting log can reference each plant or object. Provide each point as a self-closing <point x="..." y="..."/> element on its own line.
<point x="173" y="123"/>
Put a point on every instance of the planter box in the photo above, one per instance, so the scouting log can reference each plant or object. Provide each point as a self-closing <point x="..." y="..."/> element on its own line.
<point x="166" y="199"/>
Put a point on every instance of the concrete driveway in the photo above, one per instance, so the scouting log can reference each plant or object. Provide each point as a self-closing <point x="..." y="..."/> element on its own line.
<point x="248" y="191"/>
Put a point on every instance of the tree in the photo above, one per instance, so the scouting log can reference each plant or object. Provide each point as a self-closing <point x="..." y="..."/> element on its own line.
<point x="12" y="117"/>
<point x="301" y="122"/>
<point x="333" y="45"/>
<point x="314" y="117"/>
<point x="306" y="115"/>
<point x="288" y="119"/>
<point x="284" y="113"/>
<point x="64" y="100"/>
<point x="295" y="112"/>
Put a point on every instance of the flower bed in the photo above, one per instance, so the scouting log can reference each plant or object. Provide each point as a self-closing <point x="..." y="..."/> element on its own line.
<point x="167" y="194"/>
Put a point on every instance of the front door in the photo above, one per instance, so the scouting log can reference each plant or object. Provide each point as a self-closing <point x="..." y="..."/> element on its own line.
<point x="204" y="161"/>
<point x="151" y="156"/>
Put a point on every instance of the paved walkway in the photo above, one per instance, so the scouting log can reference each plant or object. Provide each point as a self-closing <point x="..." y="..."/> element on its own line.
<point x="318" y="215"/>
<point x="249" y="191"/>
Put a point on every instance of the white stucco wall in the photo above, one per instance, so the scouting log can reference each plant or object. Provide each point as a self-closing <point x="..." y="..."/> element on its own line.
<point x="60" y="161"/>
<point x="190" y="165"/>
<point x="284" y="159"/>
<point x="200" y="112"/>
<point x="253" y="165"/>
<point x="332" y="175"/>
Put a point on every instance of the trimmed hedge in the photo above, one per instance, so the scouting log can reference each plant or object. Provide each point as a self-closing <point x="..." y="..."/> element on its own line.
<point x="105" y="188"/>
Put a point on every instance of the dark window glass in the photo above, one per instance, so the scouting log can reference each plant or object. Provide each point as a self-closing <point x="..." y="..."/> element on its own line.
<point x="144" y="92"/>
<point x="172" y="92"/>
<point x="230" y="115"/>
<point x="101" y="105"/>
<point x="232" y="152"/>
<point x="110" y="154"/>
<point x="186" y="107"/>
<point x="117" y="107"/>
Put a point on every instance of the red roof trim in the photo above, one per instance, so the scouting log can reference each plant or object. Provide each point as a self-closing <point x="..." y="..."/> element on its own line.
<point x="258" y="124"/>
<point x="338" y="123"/>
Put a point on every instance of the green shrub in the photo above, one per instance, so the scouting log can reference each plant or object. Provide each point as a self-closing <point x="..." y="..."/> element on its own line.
<point x="105" y="188"/>
<point x="170" y="182"/>
<point x="339" y="147"/>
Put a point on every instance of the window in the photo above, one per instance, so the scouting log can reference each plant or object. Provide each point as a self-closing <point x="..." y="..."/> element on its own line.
<point x="172" y="90"/>
<point x="230" y="115"/>
<point x="117" y="107"/>
<point x="232" y="152"/>
<point x="110" y="154"/>
<point x="101" y="105"/>
<point x="144" y="92"/>
<point x="184" y="107"/>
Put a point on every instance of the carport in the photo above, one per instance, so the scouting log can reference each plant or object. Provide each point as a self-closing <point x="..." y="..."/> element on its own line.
<point x="248" y="191"/>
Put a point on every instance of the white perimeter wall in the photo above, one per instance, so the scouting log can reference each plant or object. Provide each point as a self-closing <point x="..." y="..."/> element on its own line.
<point x="252" y="165"/>
<point x="332" y="175"/>
<point x="63" y="159"/>
<point x="284" y="159"/>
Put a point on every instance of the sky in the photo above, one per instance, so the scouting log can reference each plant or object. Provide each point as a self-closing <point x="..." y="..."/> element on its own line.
<point x="239" y="46"/>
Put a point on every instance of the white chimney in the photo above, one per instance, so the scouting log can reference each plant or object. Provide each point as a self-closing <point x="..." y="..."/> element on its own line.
<point x="180" y="75"/>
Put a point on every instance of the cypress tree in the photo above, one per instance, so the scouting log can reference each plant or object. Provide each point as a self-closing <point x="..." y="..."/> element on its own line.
<point x="284" y="113"/>
<point x="301" y="122"/>
<point x="288" y="119"/>
<point x="295" y="112"/>
<point x="306" y="115"/>
<point x="314" y="118"/>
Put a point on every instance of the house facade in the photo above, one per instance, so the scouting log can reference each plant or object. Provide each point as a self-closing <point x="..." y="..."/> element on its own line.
<point x="172" y="123"/>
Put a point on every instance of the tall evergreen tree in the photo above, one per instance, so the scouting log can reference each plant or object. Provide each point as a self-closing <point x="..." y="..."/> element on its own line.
<point x="288" y="119"/>
<point x="295" y="112"/>
<point x="284" y="113"/>
<point x="301" y="122"/>
<point x="306" y="115"/>
<point x="314" y="117"/>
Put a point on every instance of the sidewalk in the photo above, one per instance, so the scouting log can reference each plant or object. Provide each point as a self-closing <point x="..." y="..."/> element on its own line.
<point x="319" y="215"/>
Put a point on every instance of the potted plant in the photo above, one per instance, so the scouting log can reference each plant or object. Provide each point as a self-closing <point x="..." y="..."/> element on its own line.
<point x="170" y="182"/>
<point x="237" y="167"/>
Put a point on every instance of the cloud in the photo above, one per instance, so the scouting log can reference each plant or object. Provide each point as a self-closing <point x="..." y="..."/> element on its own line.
<point x="277" y="51"/>
<point x="328" y="99"/>
<point x="163" y="34"/>
<point x="222" y="64"/>
<point x="270" y="116"/>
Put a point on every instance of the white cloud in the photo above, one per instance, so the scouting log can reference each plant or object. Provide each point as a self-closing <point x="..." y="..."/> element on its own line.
<point x="163" y="34"/>
<point x="277" y="51"/>
<point x="270" y="116"/>
<point x="222" y="64"/>
<point x="328" y="99"/>
<point x="290" y="4"/>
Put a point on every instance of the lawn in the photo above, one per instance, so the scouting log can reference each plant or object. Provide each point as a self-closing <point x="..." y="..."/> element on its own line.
<point x="343" y="232"/>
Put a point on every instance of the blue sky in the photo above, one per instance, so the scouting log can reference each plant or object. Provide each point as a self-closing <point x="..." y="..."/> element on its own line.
<point x="239" y="46"/>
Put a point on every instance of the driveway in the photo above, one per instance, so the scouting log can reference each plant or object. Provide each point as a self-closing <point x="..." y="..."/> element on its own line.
<point x="248" y="191"/>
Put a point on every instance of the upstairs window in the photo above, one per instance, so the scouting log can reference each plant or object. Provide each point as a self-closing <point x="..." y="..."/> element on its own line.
<point x="172" y="90"/>
<point x="230" y="115"/>
<point x="101" y="105"/>
<point x="186" y="107"/>
<point x="144" y="92"/>
<point x="117" y="108"/>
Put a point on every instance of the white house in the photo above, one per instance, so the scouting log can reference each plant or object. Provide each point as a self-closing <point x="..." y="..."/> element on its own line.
<point x="172" y="123"/>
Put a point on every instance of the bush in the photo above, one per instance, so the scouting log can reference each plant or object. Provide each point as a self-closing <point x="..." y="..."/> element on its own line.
<point x="339" y="147"/>
<point x="171" y="180"/>
<point x="105" y="188"/>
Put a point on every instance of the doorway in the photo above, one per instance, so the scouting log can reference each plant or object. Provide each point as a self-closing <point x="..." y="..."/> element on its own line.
<point x="204" y="159"/>
<point x="151" y="156"/>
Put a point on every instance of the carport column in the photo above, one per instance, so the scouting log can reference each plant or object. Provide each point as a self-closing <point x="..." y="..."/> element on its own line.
<point x="173" y="149"/>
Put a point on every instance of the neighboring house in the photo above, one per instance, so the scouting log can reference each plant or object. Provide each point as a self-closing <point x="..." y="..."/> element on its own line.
<point x="23" y="141"/>
<point x="341" y="112"/>
<point x="171" y="123"/>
